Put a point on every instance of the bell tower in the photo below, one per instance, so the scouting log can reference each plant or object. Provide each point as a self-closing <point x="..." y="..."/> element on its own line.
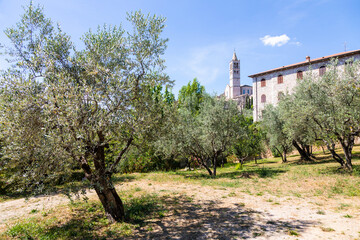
<point x="234" y="85"/>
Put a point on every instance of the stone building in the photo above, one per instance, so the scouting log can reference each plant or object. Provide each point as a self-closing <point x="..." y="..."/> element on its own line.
<point x="268" y="86"/>
<point x="234" y="90"/>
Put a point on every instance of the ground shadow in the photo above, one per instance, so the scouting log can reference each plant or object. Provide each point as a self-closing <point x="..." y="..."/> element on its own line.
<point x="337" y="170"/>
<point x="317" y="161"/>
<point x="122" y="178"/>
<point x="190" y="220"/>
<point x="261" y="172"/>
<point x="172" y="216"/>
<point x="325" y="158"/>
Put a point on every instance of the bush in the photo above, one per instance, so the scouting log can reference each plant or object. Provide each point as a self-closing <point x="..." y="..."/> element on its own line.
<point x="232" y="159"/>
<point x="274" y="152"/>
<point x="137" y="161"/>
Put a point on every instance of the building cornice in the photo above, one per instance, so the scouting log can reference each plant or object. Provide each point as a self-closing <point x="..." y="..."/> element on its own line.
<point x="307" y="62"/>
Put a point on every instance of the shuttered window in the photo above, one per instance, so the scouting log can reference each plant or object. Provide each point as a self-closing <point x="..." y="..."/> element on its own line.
<point x="280" y="79"/>
<point x="263" y="82"/>
<point x="299" y="75"/>
<point x="322" y="70"/>
<point x="263" y="98"/>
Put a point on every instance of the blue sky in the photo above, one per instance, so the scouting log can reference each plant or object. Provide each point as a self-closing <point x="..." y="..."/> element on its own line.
<point x="204" y="33"/>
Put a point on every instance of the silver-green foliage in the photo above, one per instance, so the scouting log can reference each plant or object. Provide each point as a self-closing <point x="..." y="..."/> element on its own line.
<point x="207" y="135"/>
<point x="274" y="126"/>
<point x="332" y="104"/>
<point x="325" y="109"/>
<point x="62" y="107"/>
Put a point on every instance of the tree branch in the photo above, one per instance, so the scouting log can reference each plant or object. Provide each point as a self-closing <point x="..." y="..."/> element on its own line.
<point x="119" y="157"/>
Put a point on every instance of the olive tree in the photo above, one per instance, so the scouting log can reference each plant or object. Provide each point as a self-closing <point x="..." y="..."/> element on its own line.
<point x="250" y="143"/>
<point x="64" y="108"/>
<point x="332" y="103"/>
<point x="298" y="126"/>
<point x="205" y="136"/>
<point x="274" y="126"/>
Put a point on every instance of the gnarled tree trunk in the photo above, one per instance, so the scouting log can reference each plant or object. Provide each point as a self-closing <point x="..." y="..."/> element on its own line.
<point x="336" y="157"/>
<point x="114" y="208"/>
<point x="203" y="162"/>
<point x="214" y="167"/>
<point x="284" y="157"/>
<point x="303" y="151"/>
<point x="101" y="179"/>
<point x="347" y="146"/>
<point x="282" y="154"/>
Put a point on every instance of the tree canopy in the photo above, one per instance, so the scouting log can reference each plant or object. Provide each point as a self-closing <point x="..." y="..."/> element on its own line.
<point x="321" y="108"/>
<point x="63" y="107"/>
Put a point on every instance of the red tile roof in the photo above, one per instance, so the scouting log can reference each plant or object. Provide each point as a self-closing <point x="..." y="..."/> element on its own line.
<point x="342" y="54"/>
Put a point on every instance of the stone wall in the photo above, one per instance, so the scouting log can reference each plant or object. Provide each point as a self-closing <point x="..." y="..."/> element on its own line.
<point x="273" y="88"/>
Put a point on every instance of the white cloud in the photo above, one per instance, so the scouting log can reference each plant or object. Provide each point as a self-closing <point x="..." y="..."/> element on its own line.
<point x="295" y="43"/>
<point x="275" y="40"/>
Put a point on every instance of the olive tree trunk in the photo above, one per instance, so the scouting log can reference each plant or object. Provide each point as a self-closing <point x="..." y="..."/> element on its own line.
<point x="203" y="163"/>
<point x="303" y="151"/>
<point x="214" y="167"/>
<point x="336" y="157"/>
<point x="101" y="179"/>
<point x="347" y="146"/>
<point x="113" y="206"/>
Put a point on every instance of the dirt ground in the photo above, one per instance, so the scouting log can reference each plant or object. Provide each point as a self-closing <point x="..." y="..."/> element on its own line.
<point x="225" y="213"/>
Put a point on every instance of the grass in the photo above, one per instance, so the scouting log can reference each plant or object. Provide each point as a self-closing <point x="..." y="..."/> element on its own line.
<point x="86" y="220"/>
<point x="321" y="178"/>
<point x="320" y="212"/>
<point x="324" y="229"/>
<point x="295" y="178"/>
<point x="293" y="233"/>
<point x="269" y="179"/>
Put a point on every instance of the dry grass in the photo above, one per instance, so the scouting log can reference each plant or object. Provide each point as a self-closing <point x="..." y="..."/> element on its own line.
<point x="86" y="220"/>
<point x="320" y="179"/>
<point x="320" y="184"/>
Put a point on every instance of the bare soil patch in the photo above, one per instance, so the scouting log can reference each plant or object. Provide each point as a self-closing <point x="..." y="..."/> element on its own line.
<point x="205" y="212"/>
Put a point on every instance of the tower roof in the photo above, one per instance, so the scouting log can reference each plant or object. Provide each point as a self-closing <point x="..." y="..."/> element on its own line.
<point x="234" y="57"/>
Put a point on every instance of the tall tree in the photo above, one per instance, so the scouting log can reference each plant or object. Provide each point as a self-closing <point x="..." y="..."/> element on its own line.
<point x="62" y="106"/>
<point x="191" y="96"/>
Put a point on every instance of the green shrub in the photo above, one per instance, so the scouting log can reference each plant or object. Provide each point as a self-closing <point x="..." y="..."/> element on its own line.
<point x="138" y="161"/>
<point x="274" y="152"/>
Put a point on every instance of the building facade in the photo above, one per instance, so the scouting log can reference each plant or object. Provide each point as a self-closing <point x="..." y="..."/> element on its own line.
<point x="234" y="90"/>
<point x="269" y="86"/>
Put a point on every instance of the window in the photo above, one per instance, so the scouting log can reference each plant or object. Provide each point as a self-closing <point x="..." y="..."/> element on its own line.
<point x="299" y="75"/>
<point x="248" y="91"/>
<point x="348" y="63"/>
<point x="263" y="82"/>
<point x="280" y="95"/>
<point x="263" y="98"/>
<point x="280" y="79"/>
<point x="244" y="91"/>
<point x="322" y="70"/>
